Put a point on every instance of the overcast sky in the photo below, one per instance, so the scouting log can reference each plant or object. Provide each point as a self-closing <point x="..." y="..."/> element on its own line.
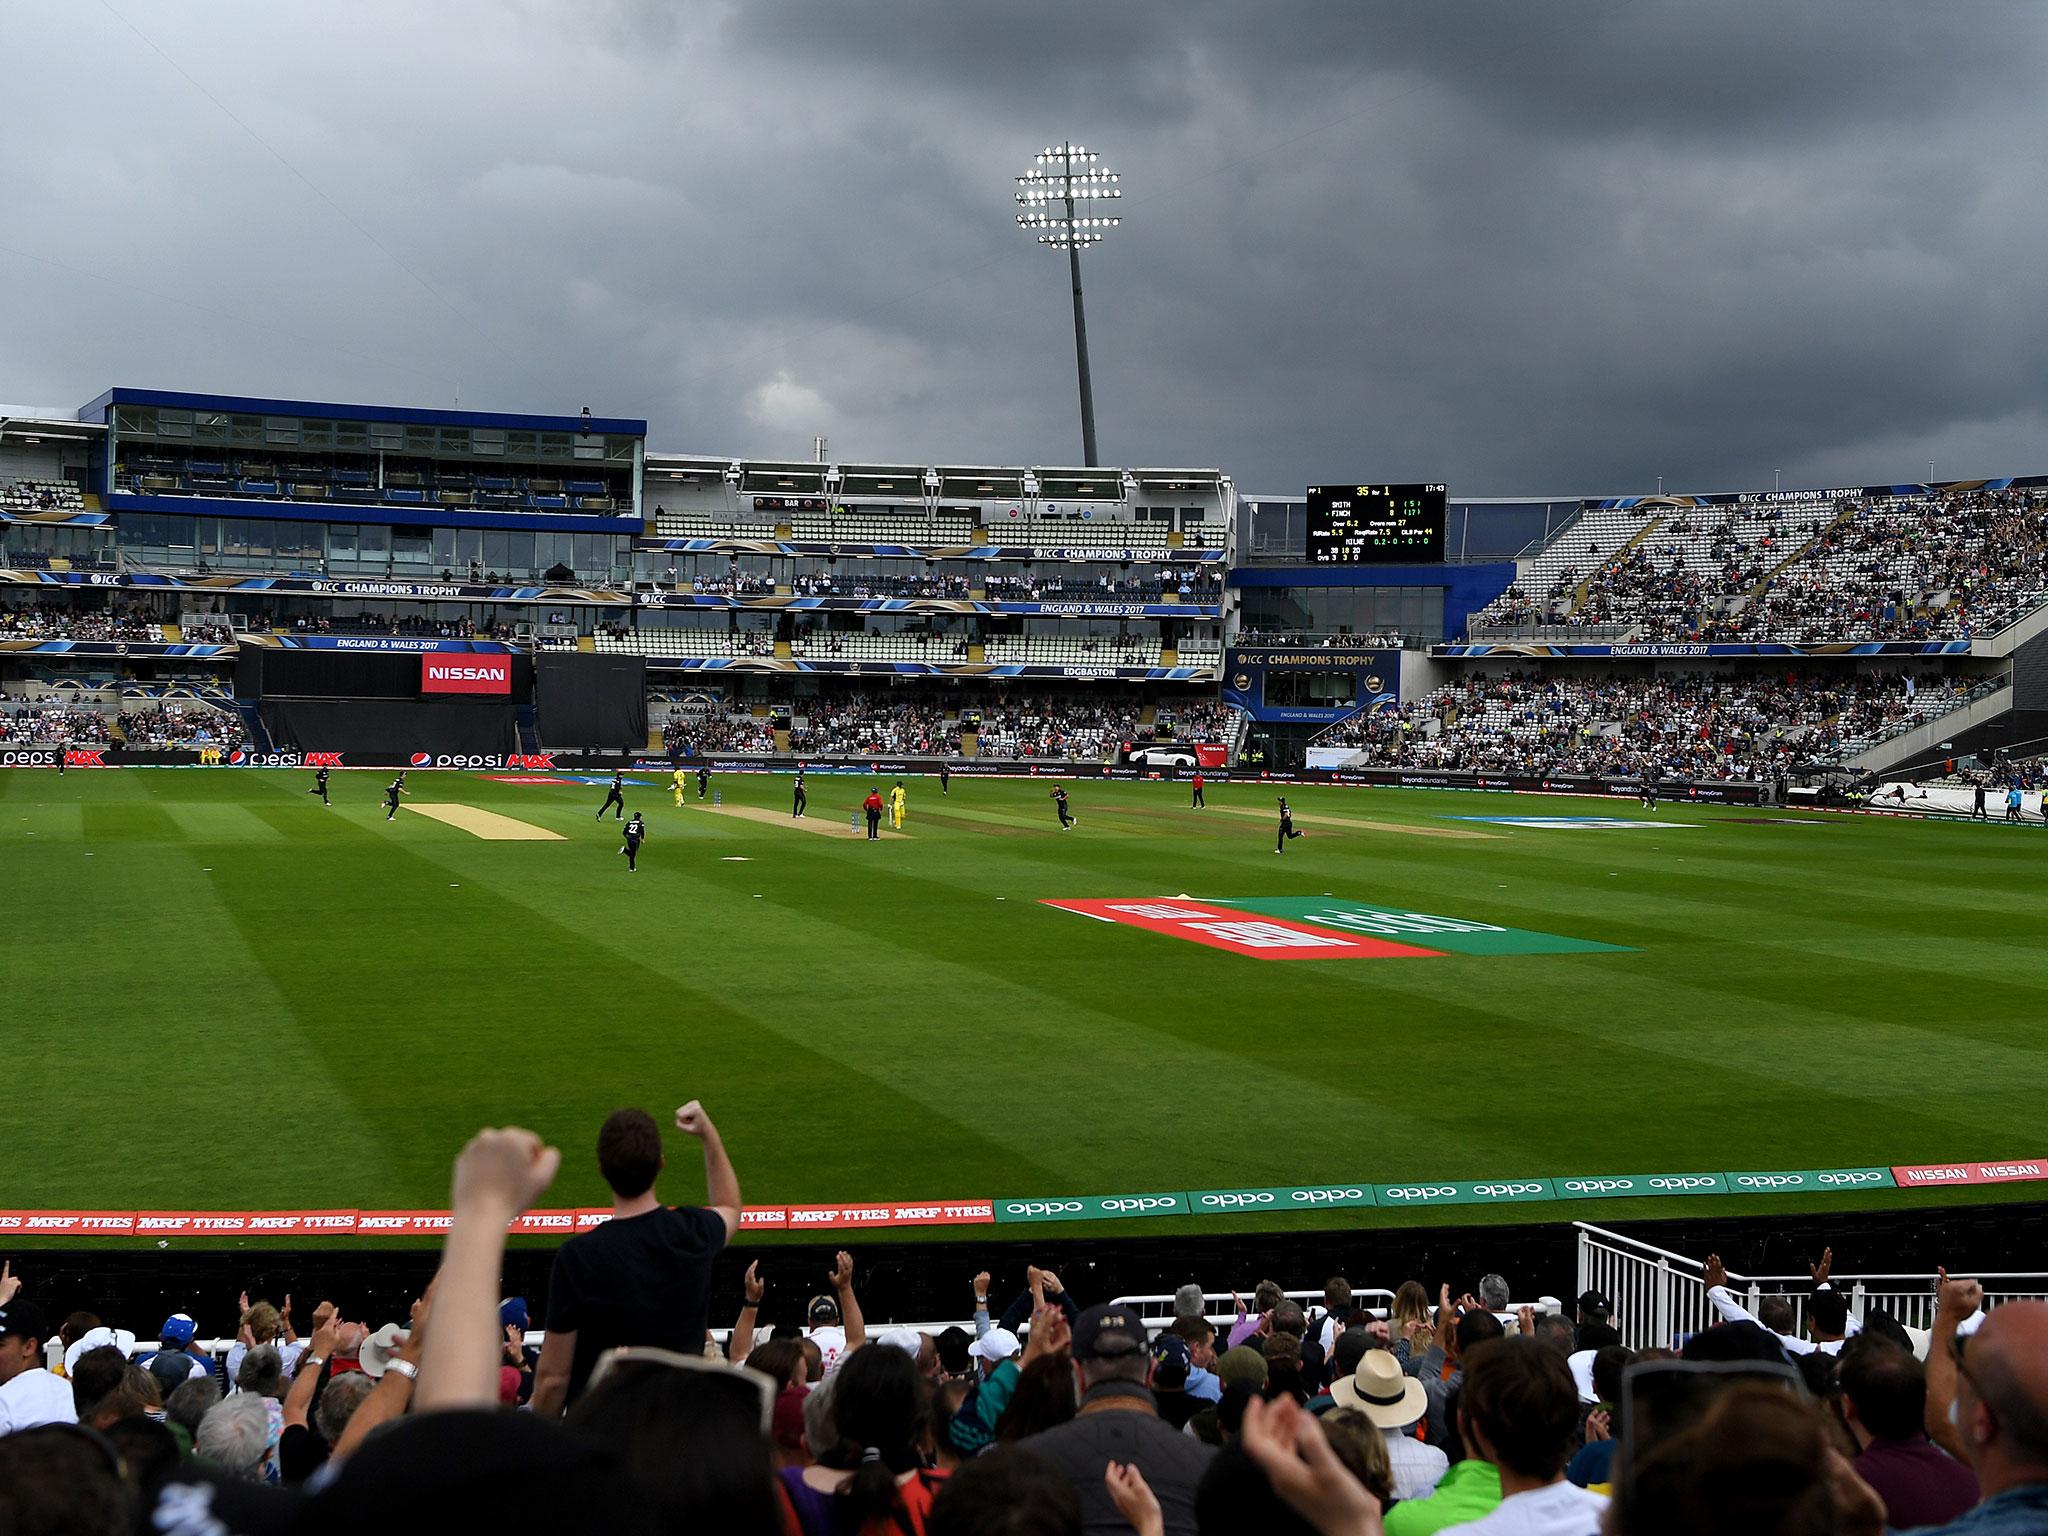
<point x="1527" y="247"/>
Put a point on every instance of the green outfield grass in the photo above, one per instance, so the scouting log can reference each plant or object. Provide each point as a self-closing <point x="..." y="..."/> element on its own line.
<point x="221" y="995"/>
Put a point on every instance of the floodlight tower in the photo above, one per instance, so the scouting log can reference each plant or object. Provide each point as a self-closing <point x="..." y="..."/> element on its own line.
<point x="1067" y="175"/>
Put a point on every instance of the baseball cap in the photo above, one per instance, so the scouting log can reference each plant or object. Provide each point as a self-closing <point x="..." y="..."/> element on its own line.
<point x="1108" y="1330"/>
<point x="909" y="1340"/>
<point x="824" y="1309"/>
<point x="25" y="1319"/>
<point x="1172" y="1359"/>
<point x="1594" y="1306"/>
<point x="178" y="1329"/>
<point x="512" y="1313"/>
<point x="995" y="1346"/>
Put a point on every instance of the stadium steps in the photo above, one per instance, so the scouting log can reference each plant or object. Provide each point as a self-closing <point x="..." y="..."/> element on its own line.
<point x="1642" y="533"/>
<point x="529" y="730"/>
<point x="252" y="726"/>
<point x="1763" y="582"/>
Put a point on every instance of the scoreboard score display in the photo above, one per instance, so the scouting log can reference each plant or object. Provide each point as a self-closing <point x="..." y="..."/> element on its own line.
<point x="1375" y="524"/>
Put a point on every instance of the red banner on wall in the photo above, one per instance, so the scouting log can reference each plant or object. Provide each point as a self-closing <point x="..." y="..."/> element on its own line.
<point x="464" y="673"/>
<point x="1930" y="1175"/>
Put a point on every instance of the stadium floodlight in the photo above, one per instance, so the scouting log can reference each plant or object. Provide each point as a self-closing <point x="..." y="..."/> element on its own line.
<point x="1065" y="200"/>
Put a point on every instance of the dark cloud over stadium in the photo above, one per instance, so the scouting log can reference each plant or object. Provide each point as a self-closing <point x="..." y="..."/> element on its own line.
<point x="1550" y="248"/>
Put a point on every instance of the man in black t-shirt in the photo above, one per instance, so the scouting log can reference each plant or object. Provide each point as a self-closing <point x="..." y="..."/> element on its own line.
<point x="643" y="1277"/>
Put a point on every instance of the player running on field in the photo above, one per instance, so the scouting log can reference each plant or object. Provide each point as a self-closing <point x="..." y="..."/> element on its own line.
<point x="798" y="798"/>
<point x="635" y="833"/>
<point x="703" y="781"/>
<point x="391" y="793"/>
<point x="320" y="787"/>
<point x="899" y="801"/>
<point x="614" y="796"/>
<point x="1286" y="827"/>
<point x="1059" y="800"/>
<point x="681" y="779"/>
<point x="945" y="779"/>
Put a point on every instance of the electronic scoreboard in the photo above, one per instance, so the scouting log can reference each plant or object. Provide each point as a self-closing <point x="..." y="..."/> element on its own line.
<point x="1375" y="524"/>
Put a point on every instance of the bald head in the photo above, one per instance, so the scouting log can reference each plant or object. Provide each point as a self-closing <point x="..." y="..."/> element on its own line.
<point x="2004" y="1396"/>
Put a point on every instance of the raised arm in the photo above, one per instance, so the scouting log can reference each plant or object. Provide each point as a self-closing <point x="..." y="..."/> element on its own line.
<point x="298" y="1403"/>
<point x="498" y="1175"/>
<point x="1954" y="1300"/>
<point x="742" y="1344"/>
<point x="721" y="1184"/>
<point x="394" y="1392"/>
<point x="849" y="1304"/>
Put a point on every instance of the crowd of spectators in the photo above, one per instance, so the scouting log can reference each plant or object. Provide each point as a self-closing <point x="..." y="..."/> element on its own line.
<point x="1307" y="640"/>
<point x="410" y="625"/>
<point x="827" y="584"/>
<point x="1061" y="729"/>
<point x="172" y="727"/>
<point x="1207" y="720"/>
<point x="1741" y="726"/>
<point x="1053" y="1413"/>
<point x="65" y="621"/>
<point x="1947" y="566"/>
<point x="709" y="732"/>
<point x="735" y="584"/>
<point x="868" y="725"/>
<point x="1189" y="584"/>
<point x="51" y="724"/>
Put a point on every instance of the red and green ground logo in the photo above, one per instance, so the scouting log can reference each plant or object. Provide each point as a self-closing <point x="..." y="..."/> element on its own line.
<point x="1321" y="928"/>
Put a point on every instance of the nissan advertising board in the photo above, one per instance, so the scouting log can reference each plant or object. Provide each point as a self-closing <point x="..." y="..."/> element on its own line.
<point x="443" y="673"/>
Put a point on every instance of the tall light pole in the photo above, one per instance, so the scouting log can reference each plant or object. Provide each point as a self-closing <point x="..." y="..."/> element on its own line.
<point x="1065" y="178"/>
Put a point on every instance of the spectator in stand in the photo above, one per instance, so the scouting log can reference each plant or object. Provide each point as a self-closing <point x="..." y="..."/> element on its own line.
<point x="1827" y="1310"/>
<point x="873" y="1476"/>
<point x="264" y="1324"/>
<point x="1884" y="1403"/>
<point x="239" y="1436"/>
<point x="176" y="1357"/>
<point x="1118" y="1423"/>
<point x="1200" y="1334"/>
<point x="30" y="1394"/>
<point x="1393" y="1403"/>
<point x="1758" y="1462"/>
<point x="644" y="1277"/>
<point x="1010" y="1491"/>
<point x="1989" y="1404"/>
<point x="1519" y="1412"/>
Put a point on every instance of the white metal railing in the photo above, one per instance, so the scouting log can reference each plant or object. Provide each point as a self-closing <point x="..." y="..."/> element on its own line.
<point x="1660" y="1296"/>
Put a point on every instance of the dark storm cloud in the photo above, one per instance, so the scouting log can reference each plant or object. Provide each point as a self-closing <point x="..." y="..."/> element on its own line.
<point x="1534" y="247"/>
